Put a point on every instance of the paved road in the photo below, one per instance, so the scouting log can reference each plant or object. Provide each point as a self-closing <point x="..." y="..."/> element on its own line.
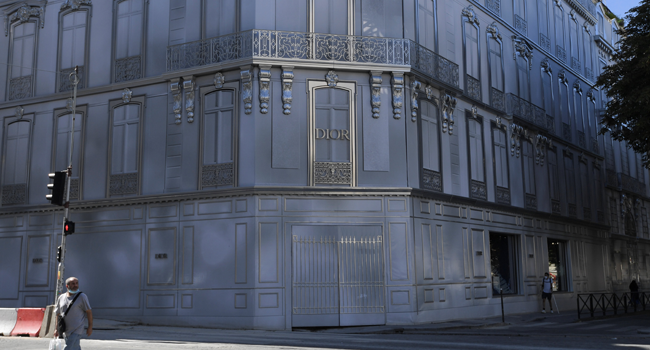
<point x="533" y="332"/>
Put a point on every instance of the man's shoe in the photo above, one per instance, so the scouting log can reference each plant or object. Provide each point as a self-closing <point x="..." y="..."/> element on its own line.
<point x="551" y="311"/>
<point x="543" y="311"/>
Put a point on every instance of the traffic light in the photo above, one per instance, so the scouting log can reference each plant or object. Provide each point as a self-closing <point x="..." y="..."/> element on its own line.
<point x="58" y="254"/>
<point x="68" y="228"/>
<point x="57" y="188"/>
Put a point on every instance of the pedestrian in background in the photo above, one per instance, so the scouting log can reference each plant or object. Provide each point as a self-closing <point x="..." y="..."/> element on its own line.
<point x="75" y="310"/>
<point x="547" y="292"/>
<point x="634" y="293"/>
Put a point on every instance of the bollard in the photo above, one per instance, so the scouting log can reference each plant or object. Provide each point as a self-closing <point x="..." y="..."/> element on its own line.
<point x="578" y="305"/>
<point x="591" y="304"/>
<point x="503" y="317"/>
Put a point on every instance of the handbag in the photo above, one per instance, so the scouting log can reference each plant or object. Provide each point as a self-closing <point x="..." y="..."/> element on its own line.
<point x="57" y="344"/>
<point x="60" y="325"/>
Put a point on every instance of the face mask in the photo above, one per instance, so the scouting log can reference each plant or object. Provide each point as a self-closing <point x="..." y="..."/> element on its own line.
<point x="73" y="291"/>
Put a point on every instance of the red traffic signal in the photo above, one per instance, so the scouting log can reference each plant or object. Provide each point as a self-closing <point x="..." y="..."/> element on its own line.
<point x="68" y="228"/>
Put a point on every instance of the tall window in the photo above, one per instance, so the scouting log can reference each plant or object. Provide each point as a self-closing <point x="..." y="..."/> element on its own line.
<point x="472" y="54"/>
<point x="548" y="97"/>
<point x="578" y="109"/>
<point x="504" y="255"/>
<point x="625" y="161"/>
<point x="73" y="44"/>
<point x="220" y="17"/>
<point x="218" y="133"/>
<point x="15" y="172"/>
<point x="553" y="180"/>
<point x="126" y="139"/>
<point x="528" y="167"/>
<point x="129" y="38"/>
<point x="478" y="189"/>
<point x="558" y="15"/>
<point x="543" y="19"/>
<point x="599" y="189"/>
<point x="574" y="35"/>
<point x="427" y="34"/>
<point x="332" y="16"/>
<point x="557" y="264"/>
<point x="495" y="62"/>
<point x="519" y="7"/>
<point x="383" y="18"/>
<point x="601" y="25"/>
<point x="61" y="149"/>
<point x="22" y="56"/>
<point x="564" y="105"/>
<point x="587" y="43"/>
<point x="585" y="189"/>
<point x="500" y="158"/>
<point x="570" y="182"/>
<point x="523" y="75"/>
<point x="431" y="177"/>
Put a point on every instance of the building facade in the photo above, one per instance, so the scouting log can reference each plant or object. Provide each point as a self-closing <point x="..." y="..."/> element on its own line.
<point x="296" y="163"/>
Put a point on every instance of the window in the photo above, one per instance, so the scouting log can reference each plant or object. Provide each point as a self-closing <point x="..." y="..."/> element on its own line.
<point x="586" y="54"/>
<point x="500" y="149"/>
<point x="528" y="167"/>
<point x="126" y="139"/>
<point x="23" y="21"/>
<point x="478" y="189"/>
<point x="15" y="168"/>
<point x="585" y="189"/>
<point x="383" y="18"/>
<point x="553" y="180"/>
<point x="548" y="98"/>
<point x="564" y="105"/>
<point x="610" y="162"/>
<point x="639" y="168"/>
<point x="504" y="256"/>
<point x="574" y="34"/>
<point x="558" y="15"/>
<point x="557" y="264"/>
<point x="599" y="189"/>
<point x="332" y="16"/>
<point x="130" y="19"/>
<point x="495" y="73"/>
<point x="570" y="181"/>
<point x="220" y="17"/>
<point x="578" y="107"/>
<point x="601" y="25"/>
<point x="472" y="54"/>
<point x="73" y="44"/>
<point x="61" y="149"/>
<point x="218" y="133"/>
<point x="427" y="34"/>
<point x="543" y="19"/>
<point x="431" y="177"/>
<point x="625" y="162"/>
<point x="523" y="77"/>
<point x="332" y="134"/>
<point x="519" y="7"/>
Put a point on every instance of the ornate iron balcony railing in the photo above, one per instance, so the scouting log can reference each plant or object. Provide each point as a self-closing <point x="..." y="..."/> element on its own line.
<point x="312" y="47"/>
<point x="497" y="99"/>
<point x="520" y="108"/>
<point x="582" y="142"/>
<point x="473" y="87"/>
<point x="631" y="184"/>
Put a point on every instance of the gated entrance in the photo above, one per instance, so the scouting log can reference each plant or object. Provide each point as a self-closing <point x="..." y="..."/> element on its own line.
<point x="338" y="276"/>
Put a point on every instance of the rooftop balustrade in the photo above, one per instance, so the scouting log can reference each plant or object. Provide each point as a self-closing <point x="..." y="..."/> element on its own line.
<point x="312" y="48"/>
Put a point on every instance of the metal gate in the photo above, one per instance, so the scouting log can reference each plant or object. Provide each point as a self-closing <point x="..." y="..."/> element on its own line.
<point x="338" y="277"/>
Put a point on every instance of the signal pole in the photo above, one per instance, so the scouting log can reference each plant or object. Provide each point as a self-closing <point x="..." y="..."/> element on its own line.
<point x="74" y="79"/>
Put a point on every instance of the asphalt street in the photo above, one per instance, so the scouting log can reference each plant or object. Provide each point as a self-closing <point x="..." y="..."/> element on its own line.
<point x="525" y="332"/>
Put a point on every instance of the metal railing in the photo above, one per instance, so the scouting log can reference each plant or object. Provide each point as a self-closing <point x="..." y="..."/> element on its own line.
<point x="611" y="303"/>
<point x="312" y="47"/>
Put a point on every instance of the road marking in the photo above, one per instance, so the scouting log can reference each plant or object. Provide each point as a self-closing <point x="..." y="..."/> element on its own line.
<point x="538" y="324"/>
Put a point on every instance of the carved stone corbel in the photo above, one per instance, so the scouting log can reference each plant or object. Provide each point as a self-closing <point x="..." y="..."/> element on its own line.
<point x="561" y="76"/>
<point x="332" y="78"/>
<point x="246" y="75"/>
<point x="523" y="48"/>
<point x="415" y="86"/>
<point x="177" y="97"/>
<point x="22" y="13"/>
<point x="576" y="87"/>
<point x="541" y="143"/>
<point x="471" y="15"/>
<point x="287" y="88"/>
<point x="74" y="4"/>
<point x="398" y="94"/>
<point x="448" y="107"/>
<point x="127" y="94"/>
<point x="375" y="90"/>
<point x="428" y="90"/>
<point x="188" y="86"/>
<point x="474" y="111"/>
<point x="264" y="77"/>
<point x="19" y="112"/>
<point x="516" y="132"/>
<point x="546" y="67"/>
<point x="219" y="80"/>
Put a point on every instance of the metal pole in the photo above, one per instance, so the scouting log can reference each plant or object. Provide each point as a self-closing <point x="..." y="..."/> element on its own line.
<point x="503" y="317"/>
<point x="74" y="79"/>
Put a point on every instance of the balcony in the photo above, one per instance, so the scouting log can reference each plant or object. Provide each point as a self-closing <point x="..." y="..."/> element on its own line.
<point x="544" y="42"/>
<point x="522" y="109"/>
<point x="269" y="45"/>
<point x="575" y="64"/>
<point x="582" y="142"/>
<point x="497" y="99"/>
<point x="473" y="87"/>
<point x="560" y="53"/>
<point x="594" y="145"/>
<point x="631" y="184"/>
<point x="521" y="25"/>
<point x="566" y="132"/>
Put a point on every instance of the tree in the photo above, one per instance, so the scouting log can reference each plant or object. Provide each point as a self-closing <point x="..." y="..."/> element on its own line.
<point x="627" y="83"/>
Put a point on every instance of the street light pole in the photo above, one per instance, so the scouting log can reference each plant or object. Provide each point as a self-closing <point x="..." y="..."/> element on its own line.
<point x="74" y="79"/>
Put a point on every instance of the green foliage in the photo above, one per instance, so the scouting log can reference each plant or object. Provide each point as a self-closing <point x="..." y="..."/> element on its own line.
<point x="627" y="83"/>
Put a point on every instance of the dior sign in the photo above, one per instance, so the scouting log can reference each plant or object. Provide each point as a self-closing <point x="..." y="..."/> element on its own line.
<point x="332" y="134"/>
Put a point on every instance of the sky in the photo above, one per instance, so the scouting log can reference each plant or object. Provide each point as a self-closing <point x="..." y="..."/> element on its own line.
<point x="620" y="7"/>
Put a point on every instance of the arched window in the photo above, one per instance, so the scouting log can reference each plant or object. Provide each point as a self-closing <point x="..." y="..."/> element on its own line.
<point x="574" y="36"/>
<point x="427" y="33"/>
<point x="476" y="156"/>
<point x="587" y="52"/>
<point x="564" y="105"/>
<point x="15" y="167"/>
<point x="130" y="18"/>
<point x="74" y="31"/>
<point x="543" y="22"/>
<point x="61" y="148"/>
<point x="559" y="25"/>
<point x="220" y="17"/>
<point x="548" y="98"/>
<point x="431" y="177"/>
<point x="126" y="147"/>
<point x="578" y="109"/>
<point x="22" y="23"/>
<point x="218" y="135"/>
<point x="472" y="53"/>
<point x="496" y="71"/>
<point x="523" y="57"/>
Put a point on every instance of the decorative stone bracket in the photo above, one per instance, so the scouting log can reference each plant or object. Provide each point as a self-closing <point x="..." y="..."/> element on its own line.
<point x="246" y="74"/>
<point x="541" y="143"/>
<point x="471" y="15"/>
<point x="22" y="13"/>
<point x="516" y="132"/>
<point x="332" y="78"/>
<point x="218" y="80"/>
<point x="264" y="77"/>
<point x="287" y="87"/>
<point x="398" y="94"/>
<point x="188" y="86"/>
<point x="19" y="112"/>
<point x="177" y="96"/>
<point x="523" y="48"/>
<point x="127" y="94"/>
<point x="448" y="107"/>
<point x="375" y="90"/>
<point x="415" y="86"/>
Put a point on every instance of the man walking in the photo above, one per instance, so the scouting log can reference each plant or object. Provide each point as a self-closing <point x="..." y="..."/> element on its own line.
<point x="79" y="311"/>
<point x="547" y="292"/>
